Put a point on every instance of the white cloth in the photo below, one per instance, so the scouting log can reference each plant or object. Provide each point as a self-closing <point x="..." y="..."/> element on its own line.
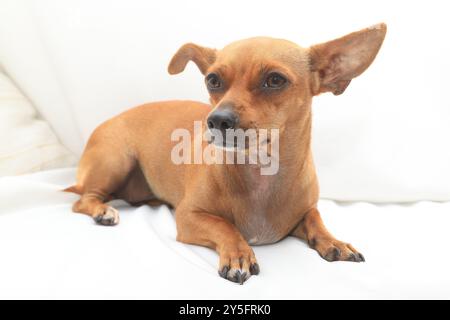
<point x="384" y="139"/>
<point x="49" y="252"/>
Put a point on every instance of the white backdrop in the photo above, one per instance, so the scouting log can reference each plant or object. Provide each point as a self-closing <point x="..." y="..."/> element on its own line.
<point x="385" y="139"/>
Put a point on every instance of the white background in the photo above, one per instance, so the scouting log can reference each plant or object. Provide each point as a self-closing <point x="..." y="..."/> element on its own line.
<point x="384" y="139"/>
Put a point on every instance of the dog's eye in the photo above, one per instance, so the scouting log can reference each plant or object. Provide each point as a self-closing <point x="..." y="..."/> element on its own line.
<point x="213" y="82"/>
<point x="274" y="81"/>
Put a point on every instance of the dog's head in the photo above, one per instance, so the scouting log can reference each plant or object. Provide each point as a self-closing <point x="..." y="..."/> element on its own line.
<point x="266" y="83"/>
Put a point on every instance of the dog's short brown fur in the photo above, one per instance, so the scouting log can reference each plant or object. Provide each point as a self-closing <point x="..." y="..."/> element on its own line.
<point x="226" y="207"/>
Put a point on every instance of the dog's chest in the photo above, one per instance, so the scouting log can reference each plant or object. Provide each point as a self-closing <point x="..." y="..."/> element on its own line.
<point x="258" y="229"/>
<point x="258" y="222"/>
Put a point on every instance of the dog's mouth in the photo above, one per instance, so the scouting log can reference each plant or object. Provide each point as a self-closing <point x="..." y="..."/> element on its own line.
<point x="233" y="141"/>
<point x="224" y="143"/>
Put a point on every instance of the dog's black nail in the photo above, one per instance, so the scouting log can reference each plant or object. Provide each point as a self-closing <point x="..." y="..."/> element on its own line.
<point x="361" y="257"/>
<point x="242" y="278"/>
<point x="254" y="269"/>
<point x="223" y="273"/>
<point x="98" y="218"/>
<point x="333" y="255"/>
<point x="236" y="277"/>
<point x="352" y="257"/>
<point x="337" y="253"/>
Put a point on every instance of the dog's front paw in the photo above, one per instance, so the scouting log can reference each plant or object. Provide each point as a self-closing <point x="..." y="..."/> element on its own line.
<point x="238" y="263"/>
<point x="107" y="216"/>
<point x="335" y="250"/>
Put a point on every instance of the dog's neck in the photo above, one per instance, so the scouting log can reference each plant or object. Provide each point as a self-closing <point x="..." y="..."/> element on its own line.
<point x="263" y="208"/>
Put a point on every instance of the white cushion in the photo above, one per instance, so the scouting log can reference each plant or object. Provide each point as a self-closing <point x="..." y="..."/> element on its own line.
<point x="27" y="144"/>
<point x="384" y="139"/>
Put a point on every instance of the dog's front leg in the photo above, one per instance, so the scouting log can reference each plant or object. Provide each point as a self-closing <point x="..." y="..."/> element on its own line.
<point x="237" y="260"/>
<point x="312" y="230"/>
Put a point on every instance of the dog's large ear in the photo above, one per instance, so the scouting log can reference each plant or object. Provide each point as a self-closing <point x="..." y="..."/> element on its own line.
<point x="203" y="58"/>
<point x="335" y="63"/>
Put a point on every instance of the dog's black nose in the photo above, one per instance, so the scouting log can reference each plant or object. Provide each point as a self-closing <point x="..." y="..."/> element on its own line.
<point x="222" y="120"/>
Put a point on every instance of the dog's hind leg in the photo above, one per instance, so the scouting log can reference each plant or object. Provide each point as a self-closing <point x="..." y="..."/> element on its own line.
<point x="101" y="172"/>
<point x="92" y="203"/>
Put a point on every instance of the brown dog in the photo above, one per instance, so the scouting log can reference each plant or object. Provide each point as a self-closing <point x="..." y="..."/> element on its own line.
<point x="254" y="83"/>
